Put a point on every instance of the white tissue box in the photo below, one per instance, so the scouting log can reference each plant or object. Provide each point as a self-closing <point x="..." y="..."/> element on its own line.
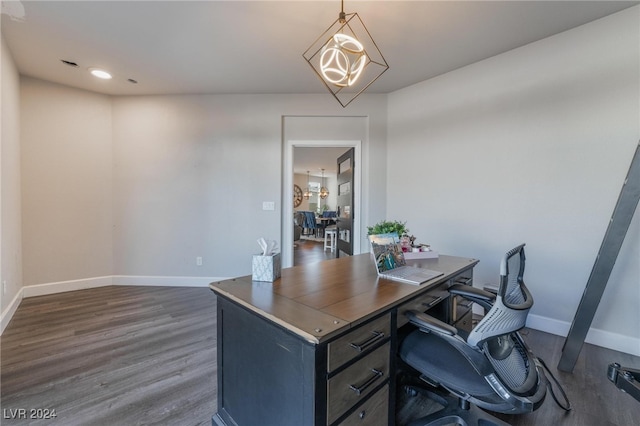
<point x="266" y="268"/>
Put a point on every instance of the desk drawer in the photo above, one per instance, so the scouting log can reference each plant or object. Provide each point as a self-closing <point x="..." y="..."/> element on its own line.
<point x="421" y="303"/>
<point x="465" y="322"/>
<point x="352" y="385"/>
<point x="357" y="341"/>
<point x="374" y="412"/>
<point x="464" y="279"/>
<point x="461" y="307"/>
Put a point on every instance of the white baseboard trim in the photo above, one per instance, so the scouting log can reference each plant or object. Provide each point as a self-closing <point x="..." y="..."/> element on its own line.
<point x="85" y="283"/>
<point x="615" y="341"/>
<point x="548" y="325"/>
<point x="7" y="314"/>
<point x="606" y="339"/>
<point x="63" y="286"/>
<point x="165" y="281"/>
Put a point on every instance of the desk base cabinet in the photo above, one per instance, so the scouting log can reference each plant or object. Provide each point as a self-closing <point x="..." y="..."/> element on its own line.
<point x="269" y="373"/>
<point x="269" y="376"/>
<point x="266" y="375"/>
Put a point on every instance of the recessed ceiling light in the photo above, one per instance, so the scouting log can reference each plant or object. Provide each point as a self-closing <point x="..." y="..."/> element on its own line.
<point x="100" y="73"/>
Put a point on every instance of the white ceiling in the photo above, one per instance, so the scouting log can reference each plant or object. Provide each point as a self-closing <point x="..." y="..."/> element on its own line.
<point x="315" y="159"/>
<point x="255" y="47"/>
<point x="175" y="47"/>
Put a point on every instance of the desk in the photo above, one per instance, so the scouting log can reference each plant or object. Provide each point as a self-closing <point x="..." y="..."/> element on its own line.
<point x="317" y="347"/>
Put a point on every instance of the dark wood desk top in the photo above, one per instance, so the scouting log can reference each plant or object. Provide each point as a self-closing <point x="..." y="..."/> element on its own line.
<point x="318" y="301"/>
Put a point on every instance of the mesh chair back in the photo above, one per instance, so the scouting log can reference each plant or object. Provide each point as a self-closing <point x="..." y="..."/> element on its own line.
<point x="515" y="367"/>
<point x="511" y="278"/>
<point x="510" y="310"/>
<point x="496" y="334"/>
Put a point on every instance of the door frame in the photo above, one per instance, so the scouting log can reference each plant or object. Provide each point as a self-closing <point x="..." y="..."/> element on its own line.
<point x="287" y="191"/>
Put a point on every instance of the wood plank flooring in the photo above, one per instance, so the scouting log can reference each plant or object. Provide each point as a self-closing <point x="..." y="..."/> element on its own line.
<point x="307" y="251"/>
<point x="112" y="356"/>
<point x="147" y="355"/>
<point x="596" y="401"/>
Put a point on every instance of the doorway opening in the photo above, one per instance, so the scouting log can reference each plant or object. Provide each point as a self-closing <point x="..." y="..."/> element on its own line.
<point x="326" y="149"/>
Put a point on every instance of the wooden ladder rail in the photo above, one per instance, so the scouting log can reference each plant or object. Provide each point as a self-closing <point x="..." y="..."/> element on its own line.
<point x="607" y="255"/>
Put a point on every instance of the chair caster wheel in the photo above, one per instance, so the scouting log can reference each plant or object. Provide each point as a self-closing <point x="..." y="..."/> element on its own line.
<point x="410" y="391"/>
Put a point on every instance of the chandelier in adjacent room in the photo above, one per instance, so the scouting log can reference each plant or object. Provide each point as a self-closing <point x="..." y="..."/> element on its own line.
<point x="307" y="190"/>
<point x="324" y="192"/>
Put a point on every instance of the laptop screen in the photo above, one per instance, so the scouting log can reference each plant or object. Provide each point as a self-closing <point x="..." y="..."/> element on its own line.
<point x="387" y="251"/>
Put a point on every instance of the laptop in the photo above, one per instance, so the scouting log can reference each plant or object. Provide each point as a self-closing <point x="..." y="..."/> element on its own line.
<point x="391" y="264"/>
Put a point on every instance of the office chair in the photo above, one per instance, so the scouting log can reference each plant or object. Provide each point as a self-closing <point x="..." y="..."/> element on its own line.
<point x="491" y="367"/>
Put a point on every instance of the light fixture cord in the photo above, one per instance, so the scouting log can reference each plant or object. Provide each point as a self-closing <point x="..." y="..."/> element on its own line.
<point x="342" y="16"/>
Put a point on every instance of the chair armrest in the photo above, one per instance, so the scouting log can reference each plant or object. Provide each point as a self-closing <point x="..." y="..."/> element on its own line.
<point x="491" y="288"/>
<point x="472" y="292"/>
<point x="476" y="295"/>
<point x="428" y="323"/>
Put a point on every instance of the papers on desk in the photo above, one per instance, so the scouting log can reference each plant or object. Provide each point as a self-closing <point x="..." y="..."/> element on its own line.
<point x="410" y="255"/>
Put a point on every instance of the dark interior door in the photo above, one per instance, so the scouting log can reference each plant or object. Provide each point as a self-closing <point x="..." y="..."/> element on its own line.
<point x="345" y="208"/>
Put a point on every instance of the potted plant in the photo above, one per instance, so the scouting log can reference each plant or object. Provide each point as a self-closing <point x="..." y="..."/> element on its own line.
<point x="387" y="226"/>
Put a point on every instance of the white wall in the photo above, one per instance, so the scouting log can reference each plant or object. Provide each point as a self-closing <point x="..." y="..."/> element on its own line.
<point x="135" y="188"/>
<point x="10" y="213"/>
<point x="191" y="173"/>
<point x="529" y="146"/>
<point x="66" y="183"/>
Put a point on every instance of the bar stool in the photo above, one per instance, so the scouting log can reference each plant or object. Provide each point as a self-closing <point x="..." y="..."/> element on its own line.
<point x="330" y="238"/>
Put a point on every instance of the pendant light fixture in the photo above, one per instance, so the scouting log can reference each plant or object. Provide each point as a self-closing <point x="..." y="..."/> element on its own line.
<point x="307" y="190"/>
<point x="324" y="192"/>
<point x="346" y="58"/>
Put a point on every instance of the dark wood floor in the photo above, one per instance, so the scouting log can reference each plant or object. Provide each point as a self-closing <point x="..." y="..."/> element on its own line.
<point x="596" y="401"/>
<point x="112" y="356"/>
<point x="307" y="251"/>
<point x="147" y="355"/>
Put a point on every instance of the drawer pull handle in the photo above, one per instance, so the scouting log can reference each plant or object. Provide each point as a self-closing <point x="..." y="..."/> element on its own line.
<point x="434" y="302"/>
<point x="377" y="335"/>
<point x="359" y="389"/>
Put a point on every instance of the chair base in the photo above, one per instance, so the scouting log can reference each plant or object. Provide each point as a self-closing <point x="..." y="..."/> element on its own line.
<point x="456" y="411"/>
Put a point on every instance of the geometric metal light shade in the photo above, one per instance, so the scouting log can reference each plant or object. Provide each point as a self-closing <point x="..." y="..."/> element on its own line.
<point x="307" y="190"/>
<point x="346" y="58"/>
<point x="324" y="192"/>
